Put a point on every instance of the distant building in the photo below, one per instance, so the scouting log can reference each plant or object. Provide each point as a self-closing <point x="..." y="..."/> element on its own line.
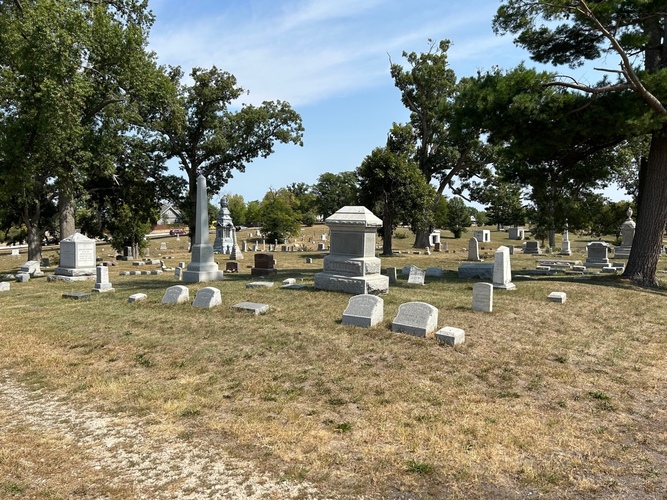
<point x="169" y="214"/>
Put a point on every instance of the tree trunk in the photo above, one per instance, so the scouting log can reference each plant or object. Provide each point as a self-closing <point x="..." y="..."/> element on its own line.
<point x="34" y="243"/>
<point x="66" y="212"/>
<point x="646" y="245"/>
<point x="386" y="235"/>
<point x="421" y="239"/>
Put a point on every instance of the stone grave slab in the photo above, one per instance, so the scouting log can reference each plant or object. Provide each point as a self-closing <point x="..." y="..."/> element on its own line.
<point x="137" y="297"/>
<point x="207" y="298"/>
<point x="434" y="272"/>
<point x="76" y="296"/>
<point x="259" y="284"/>
<point x="294" y="286"/>
<point x="252" y="307"/>
<point x="416" y="276"/>
<point x="559" y="297"/>
<point x="363" y="310"/>
<point x="415" y="318"/>
<point x="450" y="335"/>
<point x="482" y="297"/>
<point x="32" y="268"/>
<point x="22" y="277"/>
<point x="479" y="271"/>
<point x="4" y="286"/>
<point x="289" y="281"/>
<point x="176" y="294"/>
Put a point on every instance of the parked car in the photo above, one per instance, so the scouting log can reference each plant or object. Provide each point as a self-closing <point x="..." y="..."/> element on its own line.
<point x="178" y="232"/>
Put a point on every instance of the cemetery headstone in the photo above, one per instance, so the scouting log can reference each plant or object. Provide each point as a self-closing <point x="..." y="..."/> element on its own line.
<point x="176" y="294"/>
<point x="598" y="252"/>
<point x="46" y="262"/>
<point x="532" y="247"/>
<point x="482" y="297"/>
<point x="207" y="298"/>
<point x="516" y="233"/>
<point x="434" y="272"/>
<point x="558" y="297"/>
<point x="259" y="284"/>
<point x="450" y="335"/>
<point x="163" y="246"/>
<point x="416" y="276"/>
<point x="4" y="286"/>
<point x="22" y="277"/>
<point x="363" y="310"/>
<point x="351" y="265"/>
<point x="224" y="229"/>
<point x="102" y="280"/>
<point x="473" y="250"/>
<point x="565" y="248"/>
<point x="478" y="271"/>
<point x="502" y="269"/>
<point x="232" y="267"/>
<point x="309" y="260"/>
<point x="391" y="273"/>
<point x="482" y="235"/>
<point x="32" y="268"/>
<point x="252" y="307"/>
<point x="627" y="237"/>
<point x="15" y="252"/>
<point x="178" y="273"/>
<point x="264" y="265"/>
<point x="137" y="297"/>
<point x="415" y="318"/>
<point x="77" y="256"/>
<point x="202" y="267"/>
<point x="76" y="296"/>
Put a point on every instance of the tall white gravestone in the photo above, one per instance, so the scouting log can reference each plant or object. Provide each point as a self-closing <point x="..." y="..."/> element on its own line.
<point x="224" y="229"/>
<point x="565" y="248"/>
<point x="627" y="236"/>
<point x="77" y="256"/>
<point x="502" y="269"/>
<point x="202" y="267"/>
<point x="351" y="265"/>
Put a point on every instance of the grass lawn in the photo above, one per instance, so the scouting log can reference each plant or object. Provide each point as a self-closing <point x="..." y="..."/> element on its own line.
<point x="543" y="399"/>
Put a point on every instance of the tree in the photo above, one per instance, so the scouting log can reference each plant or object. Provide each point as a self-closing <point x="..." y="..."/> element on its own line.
<point x="392" y="185"/>
<point x="278" y="220"/>
<point x="334" y="191"/>
<point x="237" y="209"/>
<point x="458" y="217"/>
<point x="503" y="203"/>
<point x="253" y="213"/>
<point x="65" y="64"/>
<point x="208" y="138"/>
<point x="305" y="202"/>
<point x="443" y="153"/>
<point x="573" y="31"/>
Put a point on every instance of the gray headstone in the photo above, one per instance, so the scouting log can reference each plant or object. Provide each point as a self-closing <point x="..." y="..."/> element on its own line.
<point x="252" y="307"/>
<point x="479" y="271"/>
<point x="482" y="297"/>
<point x="102" y="280"/>
<point x="136" y="297"/>
<point x="4" y="286"/>
<point x="473" y="250"/>
<point x="176" y="294"/>
<point x="416" y="276"/>
<point x="364" y="310"/>
<point x="259" y="284"/>
<point x="391" y="272"/>
<point x="434" y="272"/>
<point x="46" y="262"/>
<point x="559" y="297"/>
<point x="163" y="246"/>
<point x="207" y="298"/>
<point x="22" y="277"/>
<point x="76" y="296"/>
<point x="450" y="335"/>
<point x="532" y="247"/>
<point x="415" y="318"/>
<point x="502" y="269"/>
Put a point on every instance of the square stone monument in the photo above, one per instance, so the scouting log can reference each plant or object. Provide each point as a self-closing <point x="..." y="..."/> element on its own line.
<point x="77" y="256"/>
<point x="482" y="235"/>
<point x="351" y="265"/>
<point x="516" y="233"/>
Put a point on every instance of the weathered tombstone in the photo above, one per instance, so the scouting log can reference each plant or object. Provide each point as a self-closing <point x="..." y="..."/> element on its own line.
<point x="416" y="276"/>
<point x="351" y="265"/>
<point x="32" y="268"/>
<point x="77" y="257"/>
<point x="176" y="294"/>
<point x="363" y="310"/>
<point x="482" y="297"/>
<point x="264" y="265"/>
<point x="202" y="267"/>
<point x="289" y="281"/>
<point x="232" y="267"/>
<point x="532" y="247"/>
<point x="252" y="307"/>
<point x="473" y="250"/>
<point x="15" y="252"/>
<point x="565" y="248"/>
<point x="163" y="246"/>
<point x="207" y="298"/>
<point x="415" y="318"/>
<point x="479" y="271"/>
<point x="444" y="246"/>
<point x="4" y="286"/>
<point x="76" y="296"/>
<point x="434" y="272"/>
<point x="259" y="284"/>
<point x="321" y="247"/>
<point x="137" y="297"/>
<point x="178" y="273"/>
<point x="244" y="246"/>
<point x="102" y="280"/>
<point x="391" y="273"/>
<point x="46" y="262"/>
<point x="434" y="239"/>
<point x="559" y="297"/>
<point x="627" y="236"/>
<point x="22" y="277"/>
<point x="598" y="252"/>
<point x="502" y="269"/>
<point x="482" y="235"/>
<point x="516" y="233"/>
<point x="450" y="335"/>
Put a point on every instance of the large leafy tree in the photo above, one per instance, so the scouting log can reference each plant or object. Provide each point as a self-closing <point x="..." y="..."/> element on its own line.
<point x="209" y="138"/>
<point x="573" y="31"/>
<point x="334" y="191"/>
<point x="64" y="65"/>
<point x="278" y="219"/>
<point x="391" y="184"/>
<point x="445" y="155"/>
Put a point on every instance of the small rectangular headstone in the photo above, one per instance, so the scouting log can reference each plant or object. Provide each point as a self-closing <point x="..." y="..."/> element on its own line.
<point x="259" y="284"/>
<point x="415" y="318"/>
<point x="309" y="260"/>
<point x="163" y="246"/>
<point x="416" y="276"/>
<point x="4" y="286"/>
<point x="482" y="297"/>
<point x="22" y="277"/>
<point x="207" y="298"/>
<point x="450" y="335"/>
<point x="363" y="310"/>
<point x="559" y="297"/>
<point x="391" y="272"/>
<point x="136" y="297"/>
<point x="434" y="272"/>
<point x="76" y="296"/>
<point x="252" y="307"/>
<point x="176" y="294"/>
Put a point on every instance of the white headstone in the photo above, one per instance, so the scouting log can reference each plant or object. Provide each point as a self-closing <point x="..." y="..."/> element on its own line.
<point x="102" y="280"/>
<point x="4" y="286"/>
<point x="252" y="307"/>
<point x="483" y="235"/>
<point x="416" y="276"/>
<point x="207" y="298"/>
<point x="77" y="256"/>
<point x="163" y="246"/>
<point x="176" y="294"/>
<point x="364" y="310"/>
<point x="450" y="335"/>
<point x="559" y="297"/>
<point x="415" y="318"/>
<point x="32" y="268"/>
<point x="482" y="297"/>
<point x="502" y="269"/>
<point x="473" y="250"/>
<point x="137" y="297"/>
<point x="15" y="252"/>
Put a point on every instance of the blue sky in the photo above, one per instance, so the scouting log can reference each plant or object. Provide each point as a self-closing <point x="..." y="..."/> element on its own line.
<point x="330" y="60"/>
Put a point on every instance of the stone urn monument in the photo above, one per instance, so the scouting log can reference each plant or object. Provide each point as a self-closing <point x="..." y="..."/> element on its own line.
<point x="627" y="236"/>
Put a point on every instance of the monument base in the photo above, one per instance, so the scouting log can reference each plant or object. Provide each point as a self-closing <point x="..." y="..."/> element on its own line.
<point x="69" y="279"/>
<point x="373" y="284"/>
<point x="258" y="271"/>
<point x="597" y="263"/>
<point x="189" y="276"/>
<point x="505" y="286"/>
<point x="103" y="290"/>
<point x="68" y="271"/>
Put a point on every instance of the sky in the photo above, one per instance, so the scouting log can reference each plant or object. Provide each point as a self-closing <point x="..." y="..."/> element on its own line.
<point x="330" y="60"/>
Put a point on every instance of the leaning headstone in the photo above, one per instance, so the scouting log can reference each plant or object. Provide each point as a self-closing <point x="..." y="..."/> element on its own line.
<point x="137" y="297"/>
<point x="176" y="294"/>
<point x="102" y="280"/>
<point x="4" y="286"/>
<point x="363" y="310"/>
<point x="391" y="273"/>
<point x="351" y="265"/>
<point x="32" y="268"/>
<point x="482" y="297"/>
<point x="450" y="335"/>
<point x="77" y="256"/>
<point x="416" y="276"/>
<point x="473" y="250"/>
<point x="252" y="307"/>
<point x="207" y="298"/>
<point x="202" y="267"/>
<point x="559" y="297"/>
<point x="502" y="270"/>
<point x="415" y="318"/>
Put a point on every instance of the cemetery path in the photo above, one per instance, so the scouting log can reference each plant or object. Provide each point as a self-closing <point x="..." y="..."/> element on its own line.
<point x="130" y="453"/>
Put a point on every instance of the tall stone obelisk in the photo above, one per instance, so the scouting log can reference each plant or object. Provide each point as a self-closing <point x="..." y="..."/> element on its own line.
<point x="202" y="267"/>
